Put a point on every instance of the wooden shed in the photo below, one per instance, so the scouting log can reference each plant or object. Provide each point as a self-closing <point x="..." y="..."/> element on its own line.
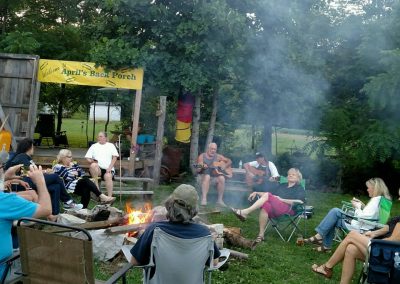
<point x="19" y="94"/>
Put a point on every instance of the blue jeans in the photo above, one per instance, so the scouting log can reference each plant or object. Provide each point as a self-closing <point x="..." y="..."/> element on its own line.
<point x="326" y="228"/>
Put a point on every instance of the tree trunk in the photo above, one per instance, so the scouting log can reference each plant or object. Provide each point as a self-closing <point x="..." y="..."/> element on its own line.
<point x="267" y="143"/>
<point x="60" y="108"/>
<point x="194" y="139"/>
<point x="213" y="119"/>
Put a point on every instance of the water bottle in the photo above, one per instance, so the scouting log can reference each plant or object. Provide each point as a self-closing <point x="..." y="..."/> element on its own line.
<point x="3" y="155"/>
<point x="397" y="260"/>
<point x="240" y="164"/>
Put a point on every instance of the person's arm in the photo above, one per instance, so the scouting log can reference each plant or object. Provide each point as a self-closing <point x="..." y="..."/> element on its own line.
<point x="113" y="160"/>
<point x="370" y="211"/>
<point x="11" y="172"/>
<point x="44" y="208"/>
<point x="224" y="159"/>
<point x="200" y="163"/>
<point x="273" y="170"/>
<point x="395" y="236"/>
<point x="377" y="233"/>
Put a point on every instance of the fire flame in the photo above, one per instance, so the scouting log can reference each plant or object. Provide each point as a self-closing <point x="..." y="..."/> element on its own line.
<point x="140" y="215"/>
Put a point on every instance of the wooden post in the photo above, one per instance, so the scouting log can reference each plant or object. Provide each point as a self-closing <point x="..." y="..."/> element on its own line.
<point x="135" y="127"/>
<point x="161" y="112"/>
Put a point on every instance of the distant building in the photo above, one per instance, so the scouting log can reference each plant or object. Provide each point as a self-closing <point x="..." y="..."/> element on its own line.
<point x="101" y="112"/>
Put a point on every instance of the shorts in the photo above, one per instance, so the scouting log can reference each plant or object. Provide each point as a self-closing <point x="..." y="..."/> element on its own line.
<point x="103" y="172"/>
<point x="275" y="207"/>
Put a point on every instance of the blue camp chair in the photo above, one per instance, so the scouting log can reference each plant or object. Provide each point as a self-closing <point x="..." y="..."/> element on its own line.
<point x="379" y="263"/>
<point x="286" y="225"/>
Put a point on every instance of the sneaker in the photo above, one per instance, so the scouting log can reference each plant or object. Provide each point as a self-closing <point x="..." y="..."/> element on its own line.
<point x="72" y="205"/>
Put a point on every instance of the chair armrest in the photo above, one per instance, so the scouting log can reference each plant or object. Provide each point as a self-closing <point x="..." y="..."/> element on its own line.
<point x="225" y="253"/>
<point x="119" y="274"/>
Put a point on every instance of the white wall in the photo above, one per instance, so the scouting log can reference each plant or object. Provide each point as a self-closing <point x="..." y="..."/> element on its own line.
<point x="101" y="112"/>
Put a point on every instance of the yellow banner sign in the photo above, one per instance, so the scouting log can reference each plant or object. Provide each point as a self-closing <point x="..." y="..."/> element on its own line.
<point x="85" y="73"/>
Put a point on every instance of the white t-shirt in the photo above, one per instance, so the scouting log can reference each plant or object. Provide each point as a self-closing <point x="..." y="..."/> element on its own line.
<point x="271" y="166"/>
<point x="103" y="153"/>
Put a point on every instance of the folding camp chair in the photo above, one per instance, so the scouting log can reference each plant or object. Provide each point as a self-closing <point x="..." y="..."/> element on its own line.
<point x="385" y="205"/>
<point x="286" y="225"/>
<point x="379" y="265"/>
<point x="180" y="261"/>
<point x="49" y="257"/>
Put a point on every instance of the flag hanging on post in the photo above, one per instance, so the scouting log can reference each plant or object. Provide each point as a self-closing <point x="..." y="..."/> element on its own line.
<point x="184" y="118"/>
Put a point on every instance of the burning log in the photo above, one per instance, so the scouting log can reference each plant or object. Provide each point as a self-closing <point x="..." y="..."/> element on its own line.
<point x="126" y="229"/>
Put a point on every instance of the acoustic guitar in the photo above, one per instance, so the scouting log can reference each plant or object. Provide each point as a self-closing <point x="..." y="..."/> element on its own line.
<point x="260" y="175"/>
<point x="218" y="169"/>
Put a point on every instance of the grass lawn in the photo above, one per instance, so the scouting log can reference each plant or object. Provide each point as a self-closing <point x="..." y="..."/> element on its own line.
<point x="273" y="261"/>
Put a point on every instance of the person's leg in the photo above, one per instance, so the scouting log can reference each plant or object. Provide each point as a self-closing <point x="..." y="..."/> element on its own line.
<point x="326" y="229"/>
<point x="256" y="205"/>
<point x="262" y="222"/>
<point x="205" y="186"/>
<point x="220" y="189"/>
<point x="54" y="179"/>
<point x="54" y="191"/>
<point x="349" y="263"/>
<point x="83" y="191"/>
<point x="30" y="195"/>
<point x="95" y="173"/>
<point x="108" y="180"/>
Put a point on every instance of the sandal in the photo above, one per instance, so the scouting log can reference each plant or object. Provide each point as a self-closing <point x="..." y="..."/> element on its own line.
<point x="322" y="270"/>
<point x="313" y="240"/>
<point x="322" y="249"/>
<point x="238" y="214"/>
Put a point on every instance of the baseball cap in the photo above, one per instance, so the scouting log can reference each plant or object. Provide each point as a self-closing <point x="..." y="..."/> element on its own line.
<point x="259" y="155"/>
<point x="187" y="194"/>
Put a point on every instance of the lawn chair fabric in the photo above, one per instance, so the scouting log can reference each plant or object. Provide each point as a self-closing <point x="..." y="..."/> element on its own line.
<point x="179" y="260"/>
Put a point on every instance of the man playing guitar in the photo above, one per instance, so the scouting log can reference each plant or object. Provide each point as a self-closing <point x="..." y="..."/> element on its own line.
<point x="213" y="165"/>
<point x="261" y="172"/>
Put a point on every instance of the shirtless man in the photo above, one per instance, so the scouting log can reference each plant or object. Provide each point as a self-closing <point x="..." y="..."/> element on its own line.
<point x="207" y="171"/>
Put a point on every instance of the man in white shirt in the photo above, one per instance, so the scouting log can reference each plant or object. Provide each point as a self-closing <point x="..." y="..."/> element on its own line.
<point x="102" y="157"/>
<point x="261" y="172"/>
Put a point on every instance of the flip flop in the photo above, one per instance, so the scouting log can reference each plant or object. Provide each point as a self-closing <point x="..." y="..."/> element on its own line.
<point x="238" y="214"/>
<point x="322" y="270"/>
<point x="322" y="249"/>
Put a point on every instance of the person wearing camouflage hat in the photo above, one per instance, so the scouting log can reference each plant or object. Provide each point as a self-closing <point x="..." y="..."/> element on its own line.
<point x="182" y="206"/>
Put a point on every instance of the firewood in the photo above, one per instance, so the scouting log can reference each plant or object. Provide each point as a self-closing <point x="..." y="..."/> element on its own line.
<point x="237" y="254"/>
<point x="126" y="228"/>
<point x="90" y="225"/>
<point x="237" y="240"/>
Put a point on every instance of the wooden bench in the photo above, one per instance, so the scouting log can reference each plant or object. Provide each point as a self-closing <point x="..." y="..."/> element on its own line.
<point x="147" y="183"/>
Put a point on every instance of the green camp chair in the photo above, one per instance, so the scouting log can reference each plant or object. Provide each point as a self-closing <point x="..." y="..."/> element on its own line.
<point x="385" y="205"/>
<point x="286" y="225"/>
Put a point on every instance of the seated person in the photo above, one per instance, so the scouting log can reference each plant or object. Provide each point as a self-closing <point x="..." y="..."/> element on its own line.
<point x="181" y="207"/>
<point x="261" y="173"/>
<point x="376" y="188"/>
<point x="14" y="207"/>
<point x="102" y="157"/>
<point x="207" y="169"/>
<point x="55" y="185"/>
<point x="354" y="247"/>
<point x="72" y="174"/>
<point x="275" y="205"/>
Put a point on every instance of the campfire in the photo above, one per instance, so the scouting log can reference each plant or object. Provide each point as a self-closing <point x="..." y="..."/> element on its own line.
<point x="139" y="215"/>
